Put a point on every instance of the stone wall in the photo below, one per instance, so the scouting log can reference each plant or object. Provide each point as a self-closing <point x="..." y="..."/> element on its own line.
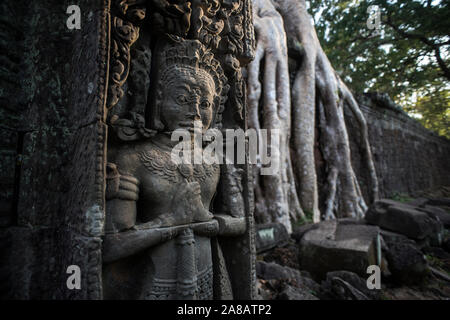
<point x="408" y="158"/>
<point x="52" y="84"/>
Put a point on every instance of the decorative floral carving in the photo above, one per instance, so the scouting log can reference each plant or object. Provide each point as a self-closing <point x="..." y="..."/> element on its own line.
<point x="124" y="32"/>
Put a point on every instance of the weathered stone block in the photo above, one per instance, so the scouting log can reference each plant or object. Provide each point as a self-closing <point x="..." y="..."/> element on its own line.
<point x="345" y="285"/>
<point x="441" y="214"/>
<point x="334" y="247"/>
<point x="299" y="232"/>
<point x="406" y="262"/>
<point x="300" y="279"/>
<point x="402" y="218"/>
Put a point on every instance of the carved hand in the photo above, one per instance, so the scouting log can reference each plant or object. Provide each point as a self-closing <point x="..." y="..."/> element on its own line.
<point x="188" y="203"/>
<point x="186" y="207"/>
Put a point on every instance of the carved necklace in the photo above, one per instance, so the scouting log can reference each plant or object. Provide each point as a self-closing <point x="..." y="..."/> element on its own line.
<point x="159" y="162"/>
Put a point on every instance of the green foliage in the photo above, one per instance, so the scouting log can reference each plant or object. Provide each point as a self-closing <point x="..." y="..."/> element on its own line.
<point x="434" y="111"/>
<point x="409" y="58"/>
<point x="401" y="197"/>
<point x="307" y="220"/>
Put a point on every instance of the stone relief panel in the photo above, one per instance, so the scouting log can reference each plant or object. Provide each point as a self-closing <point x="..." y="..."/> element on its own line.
<point x="176" y="231"/>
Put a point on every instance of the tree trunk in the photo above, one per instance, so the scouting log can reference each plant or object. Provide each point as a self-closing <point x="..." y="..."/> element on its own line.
<point x="276" y="104"/>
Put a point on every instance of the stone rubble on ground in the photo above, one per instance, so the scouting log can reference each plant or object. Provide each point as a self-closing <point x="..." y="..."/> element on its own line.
<point x="333" y="256"/>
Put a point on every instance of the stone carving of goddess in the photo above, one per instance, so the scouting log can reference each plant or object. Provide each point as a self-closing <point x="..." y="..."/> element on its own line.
<point x="159" y="233"/>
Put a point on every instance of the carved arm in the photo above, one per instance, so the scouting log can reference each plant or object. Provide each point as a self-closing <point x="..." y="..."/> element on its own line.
<point x="230" y="226"/>
<point x="123" y="244"/>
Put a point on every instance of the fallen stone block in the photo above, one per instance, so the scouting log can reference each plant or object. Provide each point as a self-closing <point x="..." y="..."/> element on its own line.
<point x="405" y="219"/>
<point x="407" y="263"/>
<point x="274" y="271"/>
<point x="333" y="246"/>
<point x="439" y="213"/>
<point x="391" y="237"/>
<point x="271" y="270"/>
<point x="439" y="202"/>
<point x="343" y="221"/>
<point x="345" y="285"/>
<point x="299" y="232"/>
<point x="418" y="202"/>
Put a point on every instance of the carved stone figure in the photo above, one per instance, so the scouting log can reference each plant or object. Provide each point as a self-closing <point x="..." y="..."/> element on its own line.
<point x="176" y="231"/>
<point x="158" y="223"/>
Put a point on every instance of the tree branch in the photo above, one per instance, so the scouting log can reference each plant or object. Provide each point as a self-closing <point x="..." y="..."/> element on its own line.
<point x="435" y="47"/>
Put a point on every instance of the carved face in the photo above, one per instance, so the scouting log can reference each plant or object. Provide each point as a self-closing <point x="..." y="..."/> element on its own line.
<point x="187" y="97"/>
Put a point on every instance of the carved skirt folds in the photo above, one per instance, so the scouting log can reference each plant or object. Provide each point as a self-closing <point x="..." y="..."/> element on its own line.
<point x="180" y="268"/>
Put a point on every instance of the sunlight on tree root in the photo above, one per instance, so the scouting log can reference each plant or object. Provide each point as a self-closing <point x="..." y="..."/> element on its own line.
<point x="273" y="103"/>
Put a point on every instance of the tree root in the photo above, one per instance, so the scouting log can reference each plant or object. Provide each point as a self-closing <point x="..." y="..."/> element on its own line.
<point x="316" y="86"/>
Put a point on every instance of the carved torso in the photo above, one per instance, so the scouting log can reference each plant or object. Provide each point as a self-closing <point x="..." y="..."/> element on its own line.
<point x="162" y="189"/>
<point x="159" y="179"/>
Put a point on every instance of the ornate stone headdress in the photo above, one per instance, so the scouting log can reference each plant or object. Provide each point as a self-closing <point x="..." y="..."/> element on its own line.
<point x="192" y="55"/>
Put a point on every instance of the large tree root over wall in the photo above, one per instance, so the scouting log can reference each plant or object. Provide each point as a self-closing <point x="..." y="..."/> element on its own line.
<point x="316" y="92"/>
